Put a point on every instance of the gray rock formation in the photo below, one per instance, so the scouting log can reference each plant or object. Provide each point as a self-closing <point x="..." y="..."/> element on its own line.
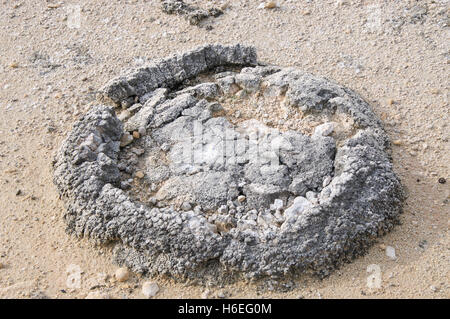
<point x="219" y="198"/>
<point x="193" y="14"/>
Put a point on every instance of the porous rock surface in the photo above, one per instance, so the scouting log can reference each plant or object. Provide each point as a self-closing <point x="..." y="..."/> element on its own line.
<point x="193" y="14"/>
<point x="220" y="198"/>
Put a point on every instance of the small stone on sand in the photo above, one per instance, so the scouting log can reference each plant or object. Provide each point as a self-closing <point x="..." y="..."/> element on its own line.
<point x="150" y="289"/>
<point x="221" y="295"/>
<point x="139" y="174"/>
<point x="270" y="5"/>
<point x="186" y="206"/>
<point x="122" y="274"/>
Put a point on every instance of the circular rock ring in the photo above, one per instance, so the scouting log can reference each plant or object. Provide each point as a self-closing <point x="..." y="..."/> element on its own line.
<point x="218" y="165"/>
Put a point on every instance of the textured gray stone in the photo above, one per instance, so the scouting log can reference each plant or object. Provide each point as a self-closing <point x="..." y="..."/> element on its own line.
<point x="193" y="14"/>
<point x="174" y="70"/>
<point x="208" y="163"/>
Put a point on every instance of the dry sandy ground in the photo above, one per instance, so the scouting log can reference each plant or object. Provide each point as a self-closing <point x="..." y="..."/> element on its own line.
<point x="396" y="54"/>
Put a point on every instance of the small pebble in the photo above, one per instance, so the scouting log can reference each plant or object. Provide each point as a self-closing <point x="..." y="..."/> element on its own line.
<point x="165" y="147"/>
<point x="142" y="131"/>
<point x="270" y="5"/>
<point x="139" y="174"/>
<point x="340" y="3"/>
<point x="442" y="180"/>
<point x="150" y="289"/>
<point x="241" y="198"/>
<point x="122" y="274"/>
<point x="126" y="104"/>
<point x="136" y="134"/>
<point x="126" y="139"/>
<point x="435" y="91"/>
<point x="215" y="107"/>
<point x="220" y="295"/>
<point x="223" y="209"/>
<point x="390" y="252"/>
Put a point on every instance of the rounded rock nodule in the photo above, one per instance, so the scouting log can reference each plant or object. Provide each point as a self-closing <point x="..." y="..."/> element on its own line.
<point x="243" y="216"/>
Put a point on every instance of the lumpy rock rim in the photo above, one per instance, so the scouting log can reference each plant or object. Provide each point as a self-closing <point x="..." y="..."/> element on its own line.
<point x="182" y="184"/>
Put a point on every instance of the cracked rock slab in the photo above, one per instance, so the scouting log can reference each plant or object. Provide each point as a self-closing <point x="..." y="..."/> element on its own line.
<point x="244" y="170"/>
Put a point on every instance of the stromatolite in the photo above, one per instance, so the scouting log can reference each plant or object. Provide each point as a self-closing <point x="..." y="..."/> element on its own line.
<point x="235" y="167"/>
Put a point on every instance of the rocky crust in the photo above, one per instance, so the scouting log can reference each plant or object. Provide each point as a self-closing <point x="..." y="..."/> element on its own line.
<point x="182" y="185"/>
